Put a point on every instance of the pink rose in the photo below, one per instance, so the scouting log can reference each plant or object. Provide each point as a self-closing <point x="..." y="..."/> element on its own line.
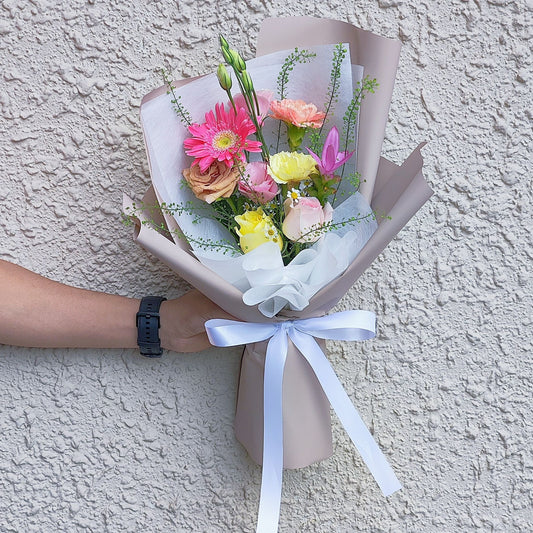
<point x="257" y="184"/>
<point x="264" y="98"/>
<point x="304" y="218"/>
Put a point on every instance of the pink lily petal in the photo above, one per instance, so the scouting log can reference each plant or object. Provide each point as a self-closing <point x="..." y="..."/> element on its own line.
<point x="329" y="158"/>
<point x="314" y="156"/>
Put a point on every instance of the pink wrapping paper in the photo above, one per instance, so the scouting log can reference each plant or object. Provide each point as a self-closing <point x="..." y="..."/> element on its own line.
<point x="398" y="191"/>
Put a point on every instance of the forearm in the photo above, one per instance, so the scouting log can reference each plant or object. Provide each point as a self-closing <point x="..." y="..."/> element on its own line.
<point x="36" y="311"/>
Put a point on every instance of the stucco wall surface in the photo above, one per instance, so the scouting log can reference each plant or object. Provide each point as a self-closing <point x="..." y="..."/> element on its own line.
<point x="108" y="441"/>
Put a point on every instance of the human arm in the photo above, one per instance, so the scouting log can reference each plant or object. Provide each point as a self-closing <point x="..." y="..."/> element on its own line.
<point x="36" y="311"/>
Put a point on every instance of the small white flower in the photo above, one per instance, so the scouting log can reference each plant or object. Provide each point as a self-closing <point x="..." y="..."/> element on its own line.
<point x="271" y="233"/>
<point x="294" y="196"/>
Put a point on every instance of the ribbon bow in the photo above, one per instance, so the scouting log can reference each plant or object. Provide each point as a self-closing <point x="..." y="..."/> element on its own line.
<point x="348" y="326"/>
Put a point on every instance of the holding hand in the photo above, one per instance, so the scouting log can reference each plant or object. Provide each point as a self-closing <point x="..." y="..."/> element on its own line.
<point x="183" y="319"/>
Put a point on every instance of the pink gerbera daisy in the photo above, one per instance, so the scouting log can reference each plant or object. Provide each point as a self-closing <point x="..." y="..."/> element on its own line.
<point x="221" y="138"/>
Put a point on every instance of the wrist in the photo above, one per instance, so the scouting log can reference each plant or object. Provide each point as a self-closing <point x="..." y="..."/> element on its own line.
<point x="128" y="326"/>
<point x="165" y="333"/>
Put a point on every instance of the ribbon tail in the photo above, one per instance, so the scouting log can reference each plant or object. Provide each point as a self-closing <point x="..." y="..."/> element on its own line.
<point x="271" y="483"/>
<point x="348" y="415"/>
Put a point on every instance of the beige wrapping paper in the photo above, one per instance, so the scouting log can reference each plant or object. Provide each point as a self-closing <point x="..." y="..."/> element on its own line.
<point x="397" y="191"/>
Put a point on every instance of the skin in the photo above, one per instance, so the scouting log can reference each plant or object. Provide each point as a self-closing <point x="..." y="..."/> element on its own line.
<point x="39" y="312"/>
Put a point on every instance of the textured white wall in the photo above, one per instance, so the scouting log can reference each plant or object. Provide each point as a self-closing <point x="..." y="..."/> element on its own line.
<point x="112" y="442"/>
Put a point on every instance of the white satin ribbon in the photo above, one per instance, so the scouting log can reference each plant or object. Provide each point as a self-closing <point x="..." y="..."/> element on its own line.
<point x="348" y="326"/>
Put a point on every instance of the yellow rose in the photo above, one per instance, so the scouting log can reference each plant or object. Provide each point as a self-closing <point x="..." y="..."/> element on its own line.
<point x="285" y="167"/>
<point x="255" y="229"/>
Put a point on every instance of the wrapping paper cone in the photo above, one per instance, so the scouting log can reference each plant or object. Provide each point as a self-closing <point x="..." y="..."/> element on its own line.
<point x="306" y="411"/>
<point x="396" y="191"/>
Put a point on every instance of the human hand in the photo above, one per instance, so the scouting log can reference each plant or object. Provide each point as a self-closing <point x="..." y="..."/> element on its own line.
<point x="182" y="322"/>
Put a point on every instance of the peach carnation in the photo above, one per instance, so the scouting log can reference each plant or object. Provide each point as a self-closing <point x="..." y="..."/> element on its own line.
<point x="298" y="113"/>
<point x="217" y="181"/>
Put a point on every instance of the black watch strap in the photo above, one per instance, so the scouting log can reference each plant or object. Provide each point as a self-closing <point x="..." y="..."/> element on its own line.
<point x="148" y="326"/>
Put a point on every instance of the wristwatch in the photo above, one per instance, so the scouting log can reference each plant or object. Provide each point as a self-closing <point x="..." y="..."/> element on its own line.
<point x="148" y="325"/>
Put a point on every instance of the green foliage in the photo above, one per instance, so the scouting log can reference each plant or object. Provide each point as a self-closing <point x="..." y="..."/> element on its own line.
<point x="150" y="210"/>
<point x="332" y="95"/>
<point x="366" y="86"/>
<point x="226" y="247"/>
<point x="354" y="179"/>
<point x="316" y="140"/>
<point x="199" y="213"/>
<point x="321" y="229"/>
<point x="298" y="56"/>
<point x="178" y="107"/>
<point x="321" y="187"/>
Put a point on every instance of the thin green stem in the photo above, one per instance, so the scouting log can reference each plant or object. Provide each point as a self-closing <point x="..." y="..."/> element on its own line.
<point x="228" y="92"/>
<point x="182" y="113"/>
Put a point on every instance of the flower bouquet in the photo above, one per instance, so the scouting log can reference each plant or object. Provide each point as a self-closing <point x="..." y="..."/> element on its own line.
<point x="273" y="206"/>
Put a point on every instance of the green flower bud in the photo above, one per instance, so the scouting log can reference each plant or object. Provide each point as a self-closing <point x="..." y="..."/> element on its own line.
<point x="247" y="82"/>
<point x="223" y="43"/>
<point x="227" y="56"/>
<point x="224" y="77"/>
<point x="237" y="62"/>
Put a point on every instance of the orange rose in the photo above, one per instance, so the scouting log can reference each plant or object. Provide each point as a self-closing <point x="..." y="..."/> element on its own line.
<point x="218" y="181"/>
